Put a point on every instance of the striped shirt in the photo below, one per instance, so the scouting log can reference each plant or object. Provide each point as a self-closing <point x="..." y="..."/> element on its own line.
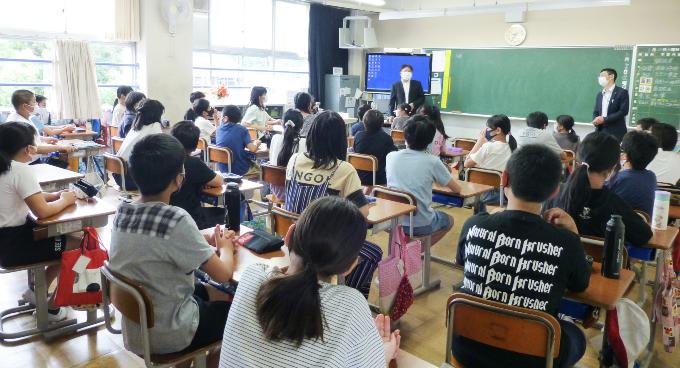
<point x="351" y="338"/>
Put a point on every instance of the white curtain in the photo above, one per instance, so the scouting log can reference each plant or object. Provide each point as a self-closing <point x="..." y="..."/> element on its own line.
<point x="75" y="81"/>
<point x="127" y="20"/>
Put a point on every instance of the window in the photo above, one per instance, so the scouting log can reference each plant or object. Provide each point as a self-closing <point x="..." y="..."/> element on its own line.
<point x="109" y="77"/>
<point x="255" y="43"/>
<point x="85" y="17"/>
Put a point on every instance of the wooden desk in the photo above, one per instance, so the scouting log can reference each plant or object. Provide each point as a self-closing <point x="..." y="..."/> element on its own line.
<point x="470" y="193"/>
<point x="86" y="135"/>
<point x="261" y="153"/>
<point x="91" y="213"/>
<point x="384" y="210"/>
<point x="603" y="292"/>
<point x="663" y="239"/>
<point x="406" y="360"/>
<point x="216" y="195"/>
<point x="456" y="156"/>
<point x="74" y="157"/>
<point x="674" y="212"/>
<point x="53" y="179"/>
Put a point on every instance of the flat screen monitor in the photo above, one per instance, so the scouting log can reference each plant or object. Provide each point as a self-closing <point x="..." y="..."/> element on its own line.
<point x="383" y="69"/>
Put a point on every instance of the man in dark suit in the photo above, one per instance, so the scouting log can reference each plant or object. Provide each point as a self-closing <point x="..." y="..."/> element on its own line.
<point x="416" y="96"/>
<point x="611" y="106"/>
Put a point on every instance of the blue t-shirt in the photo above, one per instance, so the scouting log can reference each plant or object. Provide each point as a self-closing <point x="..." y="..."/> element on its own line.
<point x="414" y="172"/>
<point x="235" y="137"/>
<point x="357" y="127"/>
<point x="636" y="187"/>
<point x="38" y="124"/>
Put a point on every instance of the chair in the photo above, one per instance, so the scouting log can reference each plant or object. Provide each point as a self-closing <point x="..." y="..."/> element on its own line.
<point x="203" y="146"/>
<point x="490" y="177"/>
<point x="464" y="143"/>
<point x="220" y="154"/>
<point x="253" y="133"/>
<point x="397" y="135"/>
<point x="502" y="326"/>
<point x="116" y="143"/>
<point x="117" y="165"/>
<point x="281" y="221"/>
<point x="408" y="198"/>
<point x="364" y="162"/>
<point x="274" y="175"/>
<point x="350" y="142"/>
<point x="135" y="303"/>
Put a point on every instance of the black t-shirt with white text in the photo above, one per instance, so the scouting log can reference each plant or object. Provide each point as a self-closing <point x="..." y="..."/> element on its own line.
<point x="197" y="175"/>
<point x="516" y="258"/>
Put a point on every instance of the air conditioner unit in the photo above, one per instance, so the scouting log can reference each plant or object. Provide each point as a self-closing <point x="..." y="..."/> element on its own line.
<point x="348" y="42"/>
<point x="202" y="6"/>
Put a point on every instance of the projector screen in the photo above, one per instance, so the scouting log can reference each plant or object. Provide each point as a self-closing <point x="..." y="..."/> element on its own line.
<point x="383" y="69"/>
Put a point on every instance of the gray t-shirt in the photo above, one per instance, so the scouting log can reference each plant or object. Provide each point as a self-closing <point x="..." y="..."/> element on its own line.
<point x="564" y="142"/>
<point x="158" y="246"/>
<point x="414" y="172"/>
<point x="531" y="135"/>
<point x="307" y="124"/>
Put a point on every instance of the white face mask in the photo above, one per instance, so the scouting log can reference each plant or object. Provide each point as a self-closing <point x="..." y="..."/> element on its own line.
<point x="33" y="156"/>
<point x="406" y="76"/>
<point x="602" y="81"/>
<point x="43" y="111"/>
<point x="266" y="98"/>
<point x="34" y="108"/>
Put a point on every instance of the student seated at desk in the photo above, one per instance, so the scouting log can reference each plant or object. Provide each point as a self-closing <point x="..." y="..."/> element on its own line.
<point x="256" y="112"/>
<point x="359" y="125"/>
<point x="494" y="146"/>
<point x="284" y="145"/>
<point x="634" y="183"/>
<point x="295" y="317"/>
<point x="147" y="122"/>
<point x="158" y="246"/>
<point x="402" y="114"/>
<point x="564" y="133"/>
<point x="197" y="176"/>
<point x="413" y="170"/>
<point x="41" y="119"/>
<point x="236" y="137"/>
<point x="304" y="102"/>
<point x="25" y="106"/>
<point x="132" y="101"/>
<point x="373" y="141"/>
<point x="19" y="192"/>
<point x="535" y="133"/>
<point x="646" y="124"/>
<point x="588" y="201"/>
<point x="440" y="137"/>
<point x="193" y="97"/>
<point x="119" y="105"/>
<point x="204" y="112"/>
<point x="666" y="164"/>
<point x="533" y="173"/>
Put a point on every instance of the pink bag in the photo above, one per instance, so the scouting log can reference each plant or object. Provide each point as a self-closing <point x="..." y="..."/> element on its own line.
<point x="404" y="260"/>
<point x="666" y="304"/>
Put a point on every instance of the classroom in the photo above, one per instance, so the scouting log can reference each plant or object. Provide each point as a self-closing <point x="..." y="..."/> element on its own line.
<point x="350" y="183"/>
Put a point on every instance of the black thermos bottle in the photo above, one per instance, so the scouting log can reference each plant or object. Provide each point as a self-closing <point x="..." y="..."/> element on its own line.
<point x="232" y="201"/>
<point x="612" y="254"/>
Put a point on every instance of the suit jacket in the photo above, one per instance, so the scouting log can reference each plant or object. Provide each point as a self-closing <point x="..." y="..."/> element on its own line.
<point x="615" y="121"/>
<point x="416" y="96"/>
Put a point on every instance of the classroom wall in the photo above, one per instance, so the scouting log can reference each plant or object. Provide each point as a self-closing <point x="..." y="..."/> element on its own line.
<point x="641" y="22"/>
<point x="160" y="76"/>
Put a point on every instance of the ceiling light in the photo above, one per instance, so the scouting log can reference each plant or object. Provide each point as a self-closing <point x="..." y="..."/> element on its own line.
<point x="468" y="10"/>
<point x="370" y="2"/>
<point x="412" y="14"/>
<point x="570" y="4"/>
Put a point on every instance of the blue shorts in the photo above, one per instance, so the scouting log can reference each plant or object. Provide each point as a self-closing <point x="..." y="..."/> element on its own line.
<point x="440" y="221"/>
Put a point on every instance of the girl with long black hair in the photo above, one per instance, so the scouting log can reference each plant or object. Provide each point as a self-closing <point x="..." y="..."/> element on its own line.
<point x="283" y="146"/>
<point x="256" y="116"/>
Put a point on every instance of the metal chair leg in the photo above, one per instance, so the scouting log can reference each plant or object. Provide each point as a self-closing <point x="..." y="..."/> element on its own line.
<point x="427" y="285"/>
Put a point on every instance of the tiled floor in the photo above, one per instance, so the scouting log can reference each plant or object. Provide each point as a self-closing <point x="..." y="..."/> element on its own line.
<point x="423" y="330"/>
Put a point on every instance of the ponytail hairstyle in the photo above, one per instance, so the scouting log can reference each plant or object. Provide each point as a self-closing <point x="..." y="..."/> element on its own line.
<point x="503" y="122"/>
<point x="597" y="153"/>
<point x="148" y="112"/>
<point x="122" y="90"/>
<point x="435" y="115"/>
<point x="292" y="125"/>
<point x="567" y="122"/>
<point x="14" y="136"/>
<point x="303" y="102"/>
<point x="405" y="107"/>
<point x="132" y="99"/>
<point x="255" y="94"/>
<point x="327" y="239"/>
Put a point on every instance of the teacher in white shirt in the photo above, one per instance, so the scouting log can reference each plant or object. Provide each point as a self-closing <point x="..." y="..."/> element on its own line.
<point x="406" y="91"/>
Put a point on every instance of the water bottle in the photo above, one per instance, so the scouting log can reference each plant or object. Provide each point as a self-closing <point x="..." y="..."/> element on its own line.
<point x="232" y="201"/>
<point x="612" y="254"/>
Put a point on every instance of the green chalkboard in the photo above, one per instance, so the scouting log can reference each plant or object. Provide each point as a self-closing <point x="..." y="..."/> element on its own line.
<point x="518" y="81"/>
<point x="656" y="87"/>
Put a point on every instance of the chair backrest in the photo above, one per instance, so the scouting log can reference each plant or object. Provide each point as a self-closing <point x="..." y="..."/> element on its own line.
<point x="364" y="162"/>
<point x="484" y="176"/>
<point x="570" y="153"/>
<point x="113" y="131"/>
<point x="202" y="144"/>
<point x="253" y="133"/>
<point x="220" y="154"/>
<point x="129" y="297"/>
<point x="273" y="174"/>
<point x="397" y="135"/>
<point x="594" y="247"/>
<point x="350" y="142"/>
<point x="115" y="164"/>
<point x="506" y="327"/>
<point x="644" y="216"/>
<point x="281" y="220"/>
<point x="464" y="143"/>
<point x="117" y="142"/>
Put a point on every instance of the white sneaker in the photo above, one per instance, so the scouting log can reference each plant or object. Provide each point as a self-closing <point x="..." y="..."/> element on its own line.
<point x="29" y="296"/>
<point x="62" y="315"/>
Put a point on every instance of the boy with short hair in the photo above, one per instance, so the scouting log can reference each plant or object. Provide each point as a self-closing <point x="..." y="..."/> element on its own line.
<point x="198" y="175"/>
<point x="25" y="106"/>
<point x="646" y="124"/>
<point x="414" y="170"/>
<point x="375" y="142"/>
<point x="359" y="125"/>
<point x="158" y="246"/>
<point x="634" y="183"/>
<point x="535" y="133"/>
<point x="520" y="238"/>
<point x="666" y="164"/>
<point x="193" y="97"/>
<point x="236" y="137"/>
<point x="204" y="112"/>
<point x="41" y="119"/>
